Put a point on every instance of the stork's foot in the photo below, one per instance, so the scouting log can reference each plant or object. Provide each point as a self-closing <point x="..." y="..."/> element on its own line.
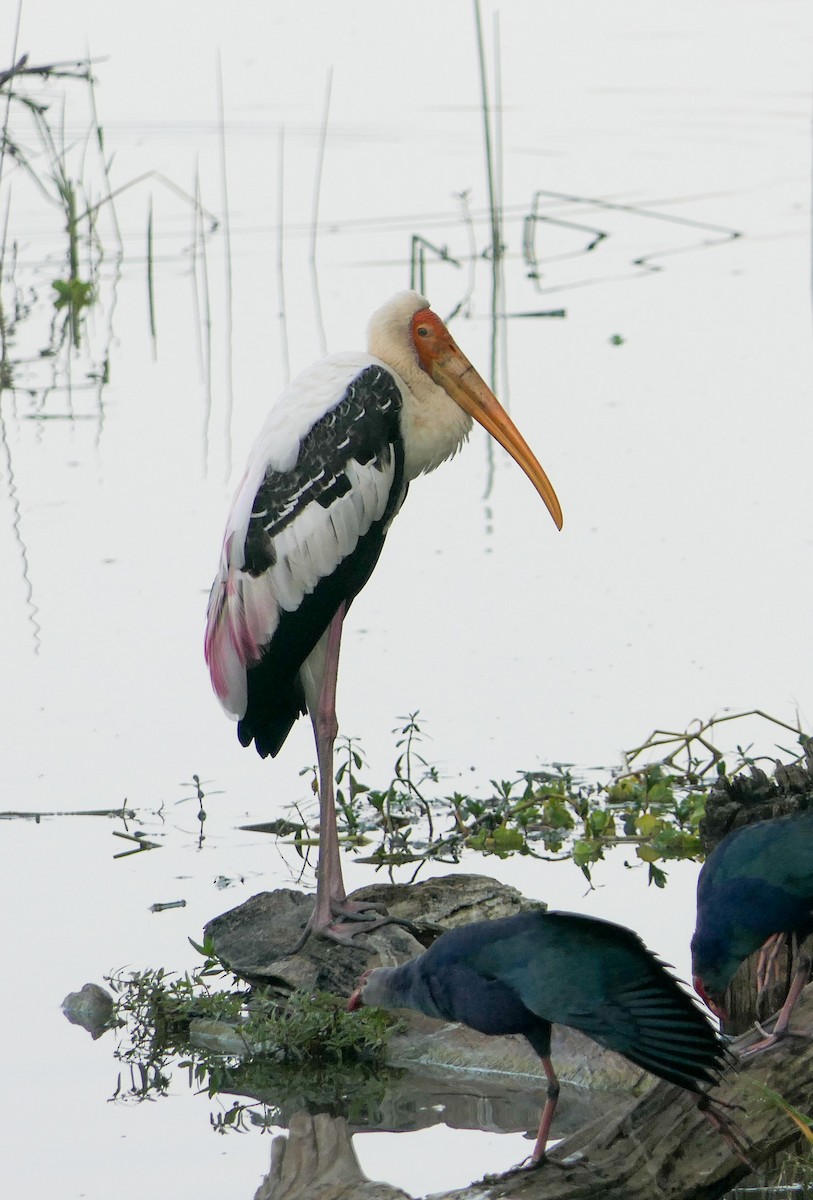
<point x="359" y="910"/>
<point x="344" y="921"/>
<point x="356" y="918"/>
<point x="345" y="933"/>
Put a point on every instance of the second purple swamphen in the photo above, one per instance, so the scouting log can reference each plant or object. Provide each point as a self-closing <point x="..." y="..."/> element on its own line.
<point x="522" y="974"/>
<point x="756" y="884"/>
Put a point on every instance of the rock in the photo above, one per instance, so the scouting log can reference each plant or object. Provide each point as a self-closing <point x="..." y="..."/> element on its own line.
<point x="446" y="902"/>
<point x="430" y="1044"/>
<point x="254" y="940"/>
<point x="427" y="1047"/>
<point x="91" y="1007"/>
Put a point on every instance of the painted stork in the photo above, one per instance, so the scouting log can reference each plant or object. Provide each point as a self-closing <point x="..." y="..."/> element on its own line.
<point x="326" y="476"/>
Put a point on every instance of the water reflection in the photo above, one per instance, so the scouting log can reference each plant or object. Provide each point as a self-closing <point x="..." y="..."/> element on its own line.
<point x="91" y="1008"/>
<point x="324" y="1107"/>
<point x="702" y="235"/>
<point x="31" y="610"/>
<point x="316" y="1158"/>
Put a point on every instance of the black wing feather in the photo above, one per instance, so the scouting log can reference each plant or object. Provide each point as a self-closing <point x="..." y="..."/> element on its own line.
<point x="597" y="977"/>
<point x="363" y="427"/>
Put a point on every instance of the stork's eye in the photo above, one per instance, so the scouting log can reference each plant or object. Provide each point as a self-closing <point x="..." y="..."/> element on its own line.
<point x="422" y="331"/>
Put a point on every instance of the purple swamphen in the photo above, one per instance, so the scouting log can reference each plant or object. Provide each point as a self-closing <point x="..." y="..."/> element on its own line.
<point x="757" y="883"/>
<point x="521" y="974"/>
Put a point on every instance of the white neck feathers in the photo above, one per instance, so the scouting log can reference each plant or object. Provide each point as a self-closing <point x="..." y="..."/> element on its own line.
<point x="434" y="427"/>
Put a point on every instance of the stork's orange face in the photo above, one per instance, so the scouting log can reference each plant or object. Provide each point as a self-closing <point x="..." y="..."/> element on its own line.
<point x="444" y="362"/>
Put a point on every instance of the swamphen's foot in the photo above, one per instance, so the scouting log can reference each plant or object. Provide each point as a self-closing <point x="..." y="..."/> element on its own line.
<point x="773" y="1039"/>
<point x="532" y="1164"/>
<point x="734" y="1137"/>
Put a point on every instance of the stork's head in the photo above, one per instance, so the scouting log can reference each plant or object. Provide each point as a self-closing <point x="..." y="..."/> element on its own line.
<point x="407" y="334"/>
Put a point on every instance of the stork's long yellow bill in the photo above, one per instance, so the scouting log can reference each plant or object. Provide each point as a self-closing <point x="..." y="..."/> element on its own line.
<point x="445" y="363"/>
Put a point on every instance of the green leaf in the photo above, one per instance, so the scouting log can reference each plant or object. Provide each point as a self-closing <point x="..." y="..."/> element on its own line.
<point x="660" y="793"/>
<point x="556" y="815"/>
<point x="75" y="293"/>
<point x="508" y="839"/>
<point x="647" y="824"/>
<point x="587" y="850"/>
<point x="602" y="821"/>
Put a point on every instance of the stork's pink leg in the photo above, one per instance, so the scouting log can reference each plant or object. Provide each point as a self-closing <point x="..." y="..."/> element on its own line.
<point x="331" y="897"/>
<point x="329" y="882"/>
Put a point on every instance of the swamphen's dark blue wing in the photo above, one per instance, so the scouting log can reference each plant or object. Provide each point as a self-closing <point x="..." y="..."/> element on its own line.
<point x="593" y="976"/>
